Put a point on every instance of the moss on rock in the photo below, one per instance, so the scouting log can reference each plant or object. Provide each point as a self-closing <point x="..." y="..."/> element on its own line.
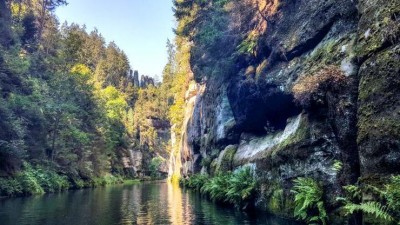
<point x="277" y="200"/>
<point x="379" y="25"/>
<point x="379" y="115"/>
<point x="224" y="162"/>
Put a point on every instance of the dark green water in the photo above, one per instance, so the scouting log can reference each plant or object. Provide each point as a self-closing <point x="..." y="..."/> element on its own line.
<point x="148" y="203"/>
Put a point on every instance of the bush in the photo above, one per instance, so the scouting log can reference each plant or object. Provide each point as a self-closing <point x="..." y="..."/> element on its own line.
<point x="10" y="187"/>
<point x="32" y="181"/>
<point x="155" y="166"/>
<point x="111" y="179"/>
<point x="307" y="88"/>
<point x="384" y="204"/>
<point x="78" y="183"/>
<point x="195" y="181"/>
<point x="103" y="181"/>
<point x="241" y="187"/>
<point x="29" y="183"/>
<point x="50" y="181"/>
<point x="236" y="188"/>
<point x="216" y="188"/>
<point x="309" y="204"/>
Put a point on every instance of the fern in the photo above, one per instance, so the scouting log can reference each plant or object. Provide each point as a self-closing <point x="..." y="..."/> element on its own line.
<point x="372" y="207"/>
<point x="386" y="205"/>
<point x="392" y="194"/>
<point x="353" y="191"/>
<point x="309" y="204"/>
<point x="236" y="188"/>
<point x="216" y="187"/>
<point x="337" y="165"/>
<point x="241" y="186"/>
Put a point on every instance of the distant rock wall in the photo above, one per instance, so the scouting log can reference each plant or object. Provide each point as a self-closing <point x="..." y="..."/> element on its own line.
<point x="144" y="81"/>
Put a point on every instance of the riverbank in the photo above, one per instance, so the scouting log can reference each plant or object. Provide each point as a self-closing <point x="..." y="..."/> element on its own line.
<point x="37" y="180"/>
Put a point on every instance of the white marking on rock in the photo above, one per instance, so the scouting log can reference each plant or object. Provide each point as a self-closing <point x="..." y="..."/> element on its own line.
<point x="251" y="146"/>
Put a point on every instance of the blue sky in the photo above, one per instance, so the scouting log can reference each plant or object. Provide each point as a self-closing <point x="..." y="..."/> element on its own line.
<point x="139" y="27"/>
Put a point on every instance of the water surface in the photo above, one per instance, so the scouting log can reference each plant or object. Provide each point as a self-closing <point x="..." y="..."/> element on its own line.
<point x="146" y="203"/>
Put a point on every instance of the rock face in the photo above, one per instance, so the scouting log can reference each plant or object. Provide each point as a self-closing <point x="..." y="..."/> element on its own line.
<point x="146" y="81"/>
<point x="141" y="154"/>
<point x="245" y="113"/>
<point x="136" y="79"/>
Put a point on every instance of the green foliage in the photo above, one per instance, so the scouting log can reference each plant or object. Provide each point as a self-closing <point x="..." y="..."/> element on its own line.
<point x="155" y="166"/>
<point x="237" y="188"/>
<point x="108" y="179"/>
<point x="241" y="186"/>
<point x="63" y="103"/>
<point x="150" y="114"/>
<point x="309" y="201"/>
<point x="337" y="165"/>
<point x="129" y="182"/>
<point x="206" y="162"/>
<point x="32" y="181"/>
<point x="217" y="187"/>
<point x="383" y="204"/>
<point x="16" y="60"/>
<point x="195" y="182"/>
<point x="391" y="194"/>
<point x="29" y="182"/>
<point x="249" y="44"/>
<point x="371" y="207"/>
<point x="114" y="102"/>
<point x="10" y="187"/>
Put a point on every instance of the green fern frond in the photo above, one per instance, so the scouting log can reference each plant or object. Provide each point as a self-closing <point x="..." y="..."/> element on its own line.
<point x="373" y="208"/>
<point x="309" y="200"/>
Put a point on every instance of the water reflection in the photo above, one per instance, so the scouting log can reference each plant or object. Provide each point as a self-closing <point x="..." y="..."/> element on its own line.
<point x="148" y="203"/>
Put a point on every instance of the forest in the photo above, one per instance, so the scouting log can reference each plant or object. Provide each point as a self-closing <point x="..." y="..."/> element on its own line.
<point x="68" y="104"/>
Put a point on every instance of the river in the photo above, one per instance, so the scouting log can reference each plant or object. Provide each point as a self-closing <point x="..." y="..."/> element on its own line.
<point x="145" y="203"/>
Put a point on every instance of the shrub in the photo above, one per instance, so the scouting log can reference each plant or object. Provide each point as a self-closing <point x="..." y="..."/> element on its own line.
<point x="33" y="181"/>
<point x="195" y="181"/>
<point x="236" y="188"/>
<point x="217" y="187"/>
<point x="50" y="181"/>
<point x="337" y="165"/>
<point x="111" y="179"/>
<point x="103" y="181"/>
<point x="384" y="206"/>
<point x="249" y="44"/>
<point x="10" y="187"/>
<point x="78" y="183"/>
<point x="309" y="204"/>
<point x="155" y="166"/>
<point x="307" y="88"/>
<point x="29" y="183"/>
<point x="241" y="187"/>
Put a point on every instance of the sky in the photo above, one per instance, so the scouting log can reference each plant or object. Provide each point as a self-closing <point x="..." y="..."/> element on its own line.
<point x="139" y="27"/>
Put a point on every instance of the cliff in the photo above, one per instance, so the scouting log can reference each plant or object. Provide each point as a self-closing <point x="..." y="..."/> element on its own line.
<point x="293" y="89"/>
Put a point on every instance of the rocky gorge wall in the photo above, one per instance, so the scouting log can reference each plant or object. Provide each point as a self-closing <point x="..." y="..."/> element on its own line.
<point x="244" y="108"/>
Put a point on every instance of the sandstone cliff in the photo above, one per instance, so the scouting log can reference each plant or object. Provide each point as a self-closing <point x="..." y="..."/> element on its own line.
<point x="247" y="105"/>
